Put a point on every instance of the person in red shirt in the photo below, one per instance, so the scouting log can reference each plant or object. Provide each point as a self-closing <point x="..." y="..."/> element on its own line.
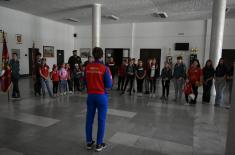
<point x="55" y="79"/>
<point x="195" y="78"/>
<point x="122" y="74"/>
<point x="44" y="73"/>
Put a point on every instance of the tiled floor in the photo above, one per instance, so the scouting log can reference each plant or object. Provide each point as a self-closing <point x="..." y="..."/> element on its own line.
<point x="135" y="125"/>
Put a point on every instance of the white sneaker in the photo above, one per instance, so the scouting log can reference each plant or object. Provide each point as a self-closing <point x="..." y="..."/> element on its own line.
<point x="70" y="92"/>
<point x="65" y="93"/>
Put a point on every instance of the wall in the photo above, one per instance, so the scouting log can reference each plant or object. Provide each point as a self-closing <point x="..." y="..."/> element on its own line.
<point x="40" y="30"/>
<point x="157" y="35"/>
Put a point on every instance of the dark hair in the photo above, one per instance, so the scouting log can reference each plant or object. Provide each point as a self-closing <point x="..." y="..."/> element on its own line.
<point x="14" y="54"/>
<point x="209" y="60"/>
<point x="75" y="51"/>
<point x="97" y="53"/>
<point x="38" y="54"/>
<point x="198" y="63"/>
<point x="179" y="58"/>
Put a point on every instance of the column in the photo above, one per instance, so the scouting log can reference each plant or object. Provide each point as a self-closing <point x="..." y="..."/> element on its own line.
<point x="96" y="24"/>
<point x="217" y="30"/>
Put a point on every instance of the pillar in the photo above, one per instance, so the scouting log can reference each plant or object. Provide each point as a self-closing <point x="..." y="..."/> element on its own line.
<point x="96" y="25"/>
<point x="217" y="30"/>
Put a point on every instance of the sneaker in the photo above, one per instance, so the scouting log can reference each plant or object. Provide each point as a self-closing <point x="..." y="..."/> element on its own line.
<point x="100" y="147"/>
<point x="71" y="92"/>
<point x="186" y="103"/>
<point x="89" y="146"/>
<point x="65" y="93"/>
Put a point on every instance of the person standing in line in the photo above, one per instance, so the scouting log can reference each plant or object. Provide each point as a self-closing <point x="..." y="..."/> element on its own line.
<point x="98" y="81"/>
<point x="140" y="75"/>
<point x="121" y="75"/>
<point x="63" y="79"/>
<point x="36" y="75"/>
<point x="147" y="78"/>
<point x="208" y="76"/>
<point x="166" y="75"/>
<point x="69" y="78"/>
<point x="220" y="81"/>
<point x="15" y="75"/>
<point x="195" y="77"/>
<point x="77" y="75"/>
<point x="154" y="73"/>
<point x="179" y="76"/>
<point x="130" y="74"/>
<point x="55" y="80"/>
<point x="112" y="66"/>
<point x="44" y="72"/>
<point x="135" y="63"/>
<point x="229" y="83"/>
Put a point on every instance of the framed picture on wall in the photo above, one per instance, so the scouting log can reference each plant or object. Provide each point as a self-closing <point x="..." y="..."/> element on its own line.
<point x="18" y="38"/>
<point x="48" y="51"/>
<point x="17" y="51"/>
<point x="85" y="52"/>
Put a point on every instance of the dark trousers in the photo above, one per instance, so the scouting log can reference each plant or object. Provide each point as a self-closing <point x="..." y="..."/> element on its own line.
<point x="195" y="92"/>
<point x="131" y="80"/>
<point x="55" y="87"/>
<point x="37" y="85"/>
<point x="76" y="84"/>
<point x="16" y="91"/>
<point x="140" y="85"/>
<point x="165" y="87"/>
<point x="207" y="91"/>
<point x="121" y="82"/>
<point x="70" y="85"/>
<point x="186" y="98"/>
<point x="152" y="85"/>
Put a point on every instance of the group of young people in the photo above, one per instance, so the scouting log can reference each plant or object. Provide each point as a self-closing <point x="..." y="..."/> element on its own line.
<point x="66" y="78"/>
<point x="186" y="81"/>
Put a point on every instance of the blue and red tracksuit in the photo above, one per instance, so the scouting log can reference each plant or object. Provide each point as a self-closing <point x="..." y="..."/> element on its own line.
<point x="98" y="79"/>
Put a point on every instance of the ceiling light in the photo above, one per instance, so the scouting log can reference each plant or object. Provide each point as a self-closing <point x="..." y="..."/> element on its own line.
<point x="113" y="17"/>
<point x="72" y="20"/>
<point x="160" y="14"/>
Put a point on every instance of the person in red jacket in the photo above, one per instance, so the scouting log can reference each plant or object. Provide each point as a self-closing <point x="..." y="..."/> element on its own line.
<point x="122" y="74"/>
<point x="195" y="78"/>
<point x="98" y="80"/>
<point x="55" y="79"/>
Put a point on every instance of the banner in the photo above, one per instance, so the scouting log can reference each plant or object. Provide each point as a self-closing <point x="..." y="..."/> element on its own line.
<point x="5" y="81"/>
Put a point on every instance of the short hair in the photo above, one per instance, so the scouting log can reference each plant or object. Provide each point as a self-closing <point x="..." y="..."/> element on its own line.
<point x="179" y="58"/>
<point x="75" y="51"/>
<point x="97" y="53"/>
<point x="39" y="54"/>
<point x="14" y="53"/>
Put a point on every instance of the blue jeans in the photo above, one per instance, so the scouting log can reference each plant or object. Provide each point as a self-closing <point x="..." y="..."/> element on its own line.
<point x="99" y="102"/>
<point x="219" y="88"/>
<point x="63" y="86"/>
<point x="45" y="84"/>
<point x="178" y="88"/>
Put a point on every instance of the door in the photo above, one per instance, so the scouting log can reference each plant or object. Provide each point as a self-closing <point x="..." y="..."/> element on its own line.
<point x="60" y="57"/>
<point x="118" y="54"/>
<point x="229" y="57"/>
<point x="32" y="58"/>
<point x="146" y="54"/>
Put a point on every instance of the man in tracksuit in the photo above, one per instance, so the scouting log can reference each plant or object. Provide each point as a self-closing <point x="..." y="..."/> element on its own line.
<point x="98" y="80"/>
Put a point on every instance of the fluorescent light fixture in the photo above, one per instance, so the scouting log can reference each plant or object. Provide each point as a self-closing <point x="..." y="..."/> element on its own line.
<point x="113" y="17"/>
<point x="160" y="14"/>
<point x="72" y="20"/>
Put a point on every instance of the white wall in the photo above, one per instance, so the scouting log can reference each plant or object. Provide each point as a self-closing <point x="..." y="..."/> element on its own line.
<point x="158" y="35"/>
<point x="40" y="30"/>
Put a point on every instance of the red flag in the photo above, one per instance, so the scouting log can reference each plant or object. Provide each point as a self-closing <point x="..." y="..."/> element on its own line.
<point x="6" y="70"/>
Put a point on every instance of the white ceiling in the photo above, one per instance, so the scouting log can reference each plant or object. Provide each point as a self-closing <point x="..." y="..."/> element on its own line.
<point x="126" y="10"/>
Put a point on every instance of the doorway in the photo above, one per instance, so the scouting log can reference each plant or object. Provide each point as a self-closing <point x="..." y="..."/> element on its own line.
<point x="229" y="57"/>
<point x="60" y="57"/>
<point x="118" y="54"/>
<point x="146" y="54"/>
<point x="32" y="58"/>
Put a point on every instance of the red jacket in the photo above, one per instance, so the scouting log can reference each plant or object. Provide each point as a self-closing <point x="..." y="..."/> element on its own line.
<point x="98" y="78"/>
<point x="194" y="74"/>
<point x="122" y="70"/>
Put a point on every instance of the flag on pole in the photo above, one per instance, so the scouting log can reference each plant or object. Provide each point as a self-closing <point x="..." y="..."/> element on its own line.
<point x="6" y="70"/>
